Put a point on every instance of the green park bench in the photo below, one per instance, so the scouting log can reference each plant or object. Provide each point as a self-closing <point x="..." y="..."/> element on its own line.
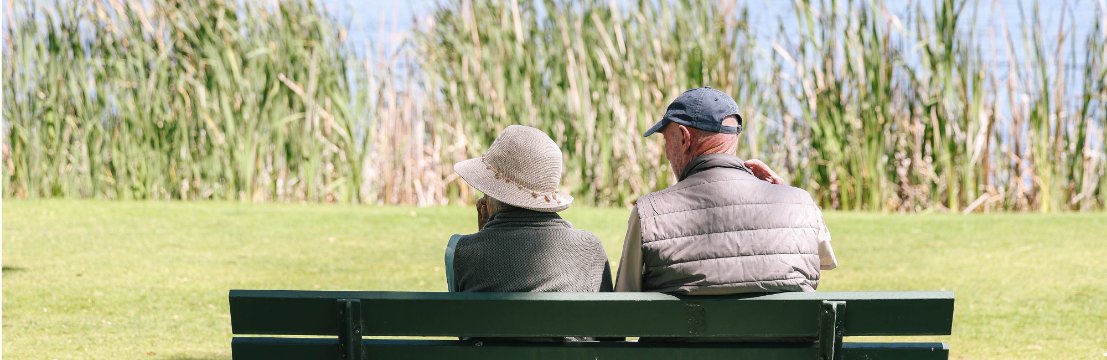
<point x="285" y="324"/>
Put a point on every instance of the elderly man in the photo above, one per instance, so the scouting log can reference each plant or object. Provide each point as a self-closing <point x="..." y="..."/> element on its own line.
<point x="722" y="228"/>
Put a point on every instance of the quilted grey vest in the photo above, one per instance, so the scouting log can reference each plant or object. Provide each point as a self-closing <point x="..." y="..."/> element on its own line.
<point x="720" y="230"/>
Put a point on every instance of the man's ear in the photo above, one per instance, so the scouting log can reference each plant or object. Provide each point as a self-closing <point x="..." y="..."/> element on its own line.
<point x="685" y="137"/>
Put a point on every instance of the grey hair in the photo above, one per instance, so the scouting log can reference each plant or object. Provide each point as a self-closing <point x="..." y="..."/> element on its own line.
<point x="495" y="204"/>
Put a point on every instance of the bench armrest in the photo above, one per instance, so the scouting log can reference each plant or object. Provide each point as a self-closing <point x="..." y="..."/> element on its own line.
<point x="451" y="246"/>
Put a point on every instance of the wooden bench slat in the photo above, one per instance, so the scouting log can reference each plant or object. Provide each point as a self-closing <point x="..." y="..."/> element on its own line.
<point x="250" y="348"/>
<point x="589" y="314"/>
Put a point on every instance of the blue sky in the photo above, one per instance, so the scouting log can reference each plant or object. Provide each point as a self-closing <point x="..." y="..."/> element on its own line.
<point x="383" y="18"/>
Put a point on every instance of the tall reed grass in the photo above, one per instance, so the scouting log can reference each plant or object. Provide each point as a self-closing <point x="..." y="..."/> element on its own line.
<point x="870" y="105"/>
<point x="591" y="75"/>
<point x="182" y="100"/>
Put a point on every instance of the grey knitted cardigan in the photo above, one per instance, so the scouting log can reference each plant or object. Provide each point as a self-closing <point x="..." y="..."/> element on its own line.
<point x="521" y="250"/>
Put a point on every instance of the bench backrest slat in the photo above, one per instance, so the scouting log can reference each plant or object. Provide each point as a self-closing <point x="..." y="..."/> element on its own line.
<point x="783" y="315"/>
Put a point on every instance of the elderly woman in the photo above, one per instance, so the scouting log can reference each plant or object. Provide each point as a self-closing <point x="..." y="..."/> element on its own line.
<point x="522" y="245"/>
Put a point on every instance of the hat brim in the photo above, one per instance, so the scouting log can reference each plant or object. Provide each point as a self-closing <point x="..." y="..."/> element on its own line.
<point x="657" y="127"/>
<point x="479" y="176"/>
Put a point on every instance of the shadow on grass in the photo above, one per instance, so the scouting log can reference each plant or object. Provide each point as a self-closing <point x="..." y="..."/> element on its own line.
<point x="13" y="269"/>
<point x="197" y="357"/>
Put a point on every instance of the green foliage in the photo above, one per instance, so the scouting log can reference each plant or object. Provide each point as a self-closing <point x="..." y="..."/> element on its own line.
<point x="149" y="280"/>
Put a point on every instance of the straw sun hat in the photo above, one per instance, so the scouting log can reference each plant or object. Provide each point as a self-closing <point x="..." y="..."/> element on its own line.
<point x="521" y="168"/>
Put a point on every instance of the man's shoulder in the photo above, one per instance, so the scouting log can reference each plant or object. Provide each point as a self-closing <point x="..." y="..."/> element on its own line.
<point x="787" y="193"/>
<point x="748" y="189"/>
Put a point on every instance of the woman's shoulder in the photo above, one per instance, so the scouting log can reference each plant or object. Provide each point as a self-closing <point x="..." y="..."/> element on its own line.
<point x="586" y="237"/>
<point x="585" y="234"/>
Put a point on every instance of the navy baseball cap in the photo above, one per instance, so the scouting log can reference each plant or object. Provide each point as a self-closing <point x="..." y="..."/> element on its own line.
<point x="703" y="108"/>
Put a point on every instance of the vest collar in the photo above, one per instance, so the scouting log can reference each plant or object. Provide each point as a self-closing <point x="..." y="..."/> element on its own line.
<point x="711" y="161"/>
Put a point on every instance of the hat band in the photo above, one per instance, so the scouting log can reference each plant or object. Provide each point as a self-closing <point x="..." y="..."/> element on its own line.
<point x="547" y="196"/>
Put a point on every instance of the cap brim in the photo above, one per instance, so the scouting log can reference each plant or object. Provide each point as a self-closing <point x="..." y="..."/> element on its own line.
<point x="656" y="127"/>
<point x="479" y="176"/>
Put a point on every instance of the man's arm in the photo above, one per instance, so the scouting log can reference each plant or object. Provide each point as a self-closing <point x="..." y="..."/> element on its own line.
<point x="827" y="260"/>
<point x="630" y="265"/>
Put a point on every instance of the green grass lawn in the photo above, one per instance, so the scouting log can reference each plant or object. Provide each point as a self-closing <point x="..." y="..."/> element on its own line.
<point x="139" y="280"/>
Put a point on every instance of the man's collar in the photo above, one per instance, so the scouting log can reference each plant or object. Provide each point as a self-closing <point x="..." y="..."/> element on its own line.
<point x="710" y="161"/>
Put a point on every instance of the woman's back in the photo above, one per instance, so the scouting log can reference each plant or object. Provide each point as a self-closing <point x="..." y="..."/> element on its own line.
<point x="521" y="250"/>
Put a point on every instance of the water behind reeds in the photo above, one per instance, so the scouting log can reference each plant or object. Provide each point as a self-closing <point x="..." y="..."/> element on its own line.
<point x="865" y="107"/>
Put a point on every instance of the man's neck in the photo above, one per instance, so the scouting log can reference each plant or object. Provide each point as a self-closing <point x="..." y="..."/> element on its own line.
<point x="717" y="148"/>
<point x="708" y="161"/>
